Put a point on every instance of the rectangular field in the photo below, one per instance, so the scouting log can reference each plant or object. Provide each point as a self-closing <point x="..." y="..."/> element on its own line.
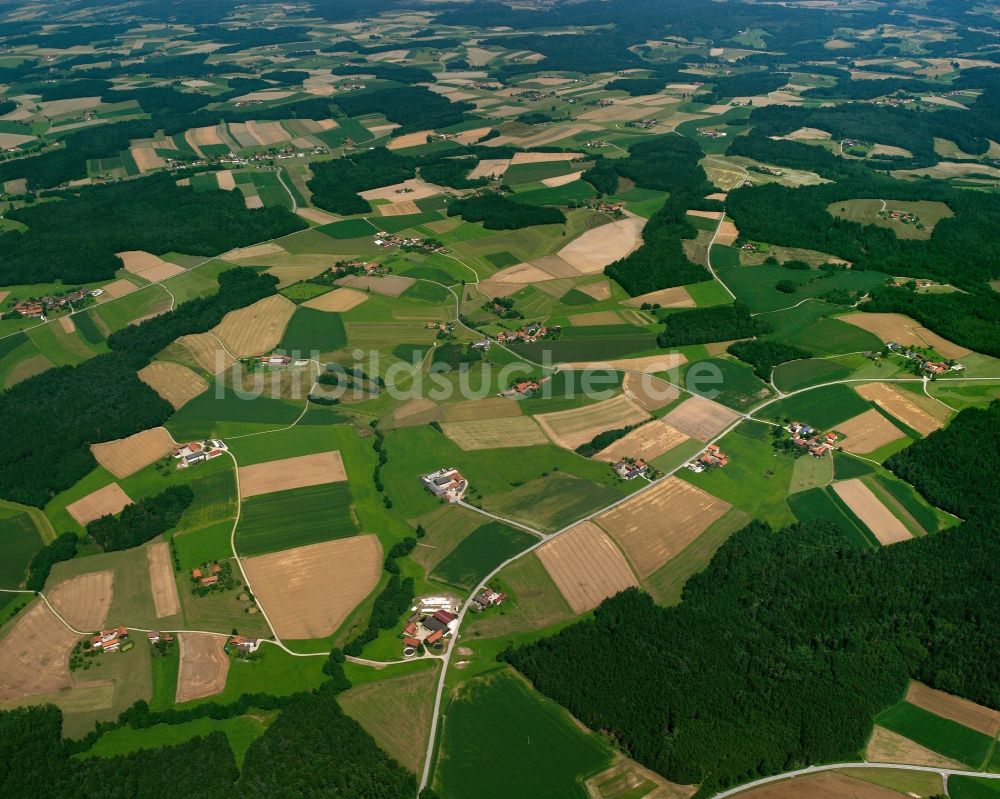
<point x="308" y="591"/>
<point x="480" y="552"/>
<point x="867" y="507"/>
<point x="657" y="524"/>
<point x="586" y="565"/>
<point x="298" y="472"/>
<point x="941" y="735"/>
<point x="647" y="442"/>
<point x="976" y="717"/>
<point x="175" y="383"/>
<point x="515" y="431"/>
<point x="110" y="499"/>
<point x="921" y="413"/>
<point x="578" y="426"/>
<point x="294" y="518"/>
<point x="34" y="655"/>
<point x="204" y="666"/>
<point x="256" y="329"/>
<point x="700" y="418"/>
<point x="552" y="502"/>
<point x="161" y="580"/>
<point x="868" y="432"/>
<point x="126" y="456"/>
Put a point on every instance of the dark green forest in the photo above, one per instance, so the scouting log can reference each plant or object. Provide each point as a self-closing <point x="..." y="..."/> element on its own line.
<point x="141" y="521"/>
<point x="335" y="184"/>
<point x="763" y="356"/>
<point x="499" y="213"/>
<point x="702" y="325"/>
<point x="412" y="107"/>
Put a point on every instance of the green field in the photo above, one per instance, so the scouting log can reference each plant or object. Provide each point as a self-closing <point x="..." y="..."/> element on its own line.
<point x="482" y="551"/>
<point x="833" y="337"/>
<point x="588" y="347"/>
<point x="276" y="673"/>
<point x="240" y="730"/>
<point x="740" y="388"/>
<point x="313" y="331"/>
<point x="822" y="408"/>
<point x="845" y="466"/>
<point x="294" y="518"/>
<point x="348" y="229"/>
<point x="793" y="375"/>
<point x="973" y="788"/>
<point x="815" y="504"/>
<point x="907" y="496"/>
<point x="204" y="544"/>
<point x="87" y="327"/>
<point x="866" y="212"/>
<point x="208" y="415"/>
<point x="552" y="502"/>
<point x="300" y="292"/>
<point x="941" y="735"/>
<point x="754" y="285"/>
<point x="548" y="756"/>
<point x="19" y="541"/>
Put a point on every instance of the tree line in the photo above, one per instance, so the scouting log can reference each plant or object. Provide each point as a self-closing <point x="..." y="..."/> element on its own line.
<point x="499" y="213"/>
<point x="763" y="356"/>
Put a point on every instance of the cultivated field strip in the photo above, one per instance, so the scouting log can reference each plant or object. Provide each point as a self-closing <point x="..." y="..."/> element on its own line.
<point x="876" y="516"/>
<point x="126" y="456"/>
<point x="296" y="472"/>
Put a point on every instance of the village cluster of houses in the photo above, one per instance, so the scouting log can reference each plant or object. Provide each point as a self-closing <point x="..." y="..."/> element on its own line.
<point x="446" y="483"/>
<point x="384" y="239"/>
<point x="432" y="619"/>
<point x="905" y="217"/>
<point x="813" y="441"/>
<point x="643" y="124"/>
<point x="712" y="458"/>
<point x="615" y="209"/>
<point x="535" y="331"/>
<point x="630" y="468"/>
<point x="109" y="640"/>
<point x="712" y="133"/>
<point x="38" y="307"/>
<point x="927" y="366"/>
<point x="196" y="452"/>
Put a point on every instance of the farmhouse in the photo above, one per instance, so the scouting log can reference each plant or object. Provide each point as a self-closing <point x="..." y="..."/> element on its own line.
<point x="446" y="483"/>
<point x="818" y="444"/>
<point x="487" y="598"/>
<point x="630" y="468"/>
<point x="109" y="640"/>
<point x="244" y="645"/>
<point x="428" y="625"/>
<point x="199" y="451"/>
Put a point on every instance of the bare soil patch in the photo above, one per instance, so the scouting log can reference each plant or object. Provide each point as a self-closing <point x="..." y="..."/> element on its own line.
<point x="34" y="656"/>
<point x="337" y="301"/>
<point x="727" y="234"/>
<point x="659" y="523"/>
<point x="648" y="392"/>
<point x="175" y="383"/>
<point x="903" y="330"/>
<point x="126" y="456"/>
<point x="600" y="246"/>
<point x="110" y="499"/>
<point x="561" y="180"/>
<point x="577" y="426"/>
<point x="256" y="251"/>
<point x="67" y="324"/>
<point x="586" y="566"/>
<point x="666" y="298"/>
<point x="204" y="666"/>
<point x="226" y="179"/>
<point x="646" y="442"/>
<point x="390" y="285"/>
<point x="826" y="785"/>
<point x="118" y="288"/>
<point x="808" y="134"/>
<point x="161" y="580"/>
<point x="713" y="215"/>
<point x="976" y="717"/>
<point x="317" y="216"/>
<point x="520" y="274"/>
<point x="867" y="432"/>
<point x="412" y="189"/>
<point x="84" y="600"/>
<point x="886" y="746"/>
<point x="207" y="352"/>
<point x="410" y="140"/>
<point x="309" y="591"/>
<point x="287" y="473"/>
<point x="252" y="201"/>
<point x="256" y="329"/>
<point x="599" y="291"/>
<point x="398" y="209"/>
<point x="146" y="159"/>
<point x="922" y="414"/>
<point x="647" y="364"/>
<point x="876" y="516"/>
<point x="516" y="431"/>
<point x="701" y="418"/>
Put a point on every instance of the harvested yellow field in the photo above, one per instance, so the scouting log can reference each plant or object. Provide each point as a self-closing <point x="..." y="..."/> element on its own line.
<point x="826" y="785"/>
<point x="561" y="180"/>
<point x="603" y="245"/>
<point x="34" y="655"/>
<point x="969" y="714"/>
<point x="161" y="580"/>
<point x="657" y="524"/>
<point x="226" y="179"/>
<point x="83" y="601"/>
<point x="287" y="473"/>
<point x="676" y="297"/>
<point x="389" y="285"/>
<point x="923" y="414"/>
<point x="175" y="383"/>
<point x="126" y="456"/>
<point x="727" y="234"/>
<point x="713" y="215"/>
<point x="268" y="133"/>
<point x="309" y="591"/>
<point x="886" y="746"/>
<point x="204" y="666"/>
<point x="410" y="140"/>
<point x="256" y="329"/>
<point x="317" y="216"/>
<point x="110" y="499"/>
<point x="398" y="209"/>
<point x="876" y="516"/>
<point x="521" y="274"/>
<point x="649" y="392"/>
<point x="337" y="301"/>
<point x="586" y="566"/>
<point x="146" y="159"/>
<point x="599" y="291"/>
<point x="647" y="364"/>
<point x="516" y="431"/>
<point x="868" y="431"/>
<point x="701" y="418"/>
<point x="478" y="410"/>
<point x="645" y="443"/>
<point x="543" y="158"/>
<point x="411" y="189"/>
<point x="493" y="168"/>
<point x="207" y="351"/>
<point x="253" y="201"/>
<point x="118" y="288"/>
<point x="593" y="318"/>
<point x="471" y="136"/>
<point x="148" y="266"/>
<point x="903" y="330"/>
<point x="570" y="429"/>
<point x="256" y="251"/>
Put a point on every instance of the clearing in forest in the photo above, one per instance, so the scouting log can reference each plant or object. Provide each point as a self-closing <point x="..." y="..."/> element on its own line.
<point x="923" y="414"/>
<point x="868" y="431"/>
<point x="903" y="330"/>
<point x="515" y="431"/>
<point x="177" y="384"/>
<point x="125" y="456"/>
<point x="308" y="591"/>
<point x="110" y="499"/>
<point x="655" y="525"/>
<point x="867" y="507"/>
<point x="701" y="418"/>
<point x="256" y="329"/>
<point x="161" y="580"/>
<point x="297" y="472"/>
<point x="34" y="655"/>
<point x="570" y="429"/>
<point x="84" y="601"/>
<point x="603" y="245"/>
<point x="646" y="442"/>
<point x="586" y="565"/>
<point x="204" y="665"/>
